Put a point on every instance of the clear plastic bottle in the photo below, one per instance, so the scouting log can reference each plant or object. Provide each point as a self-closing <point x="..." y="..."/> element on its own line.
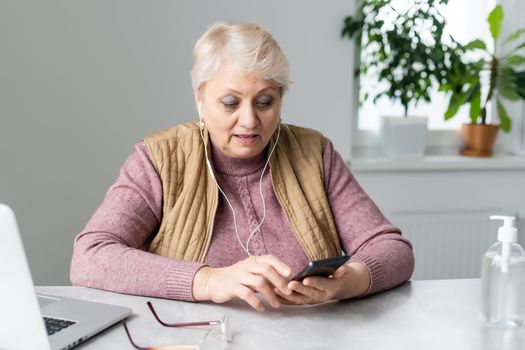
<point x="503" y="279"/>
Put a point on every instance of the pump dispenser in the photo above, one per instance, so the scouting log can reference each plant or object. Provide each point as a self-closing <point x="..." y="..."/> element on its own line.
<point x="503" y="278"/>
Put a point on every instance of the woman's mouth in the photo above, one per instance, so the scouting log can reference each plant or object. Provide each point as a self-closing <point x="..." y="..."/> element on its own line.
<point x="246" y="139"/>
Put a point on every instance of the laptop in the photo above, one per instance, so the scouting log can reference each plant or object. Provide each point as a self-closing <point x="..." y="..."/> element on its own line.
<point x="41" y="322"/>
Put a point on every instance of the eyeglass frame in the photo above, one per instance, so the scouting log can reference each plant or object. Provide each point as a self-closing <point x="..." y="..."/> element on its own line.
<point x="225" y="336"/>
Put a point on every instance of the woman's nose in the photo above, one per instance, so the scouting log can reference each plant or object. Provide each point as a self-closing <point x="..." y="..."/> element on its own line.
<point x="248" y="117"/>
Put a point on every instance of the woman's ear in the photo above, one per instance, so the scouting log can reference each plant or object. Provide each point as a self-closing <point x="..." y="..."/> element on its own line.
<point x="199" y="111"/>
<point x="198" y="101"/>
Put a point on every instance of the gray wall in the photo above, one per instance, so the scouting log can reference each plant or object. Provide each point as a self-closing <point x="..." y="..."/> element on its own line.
<point x="82" y="81"/>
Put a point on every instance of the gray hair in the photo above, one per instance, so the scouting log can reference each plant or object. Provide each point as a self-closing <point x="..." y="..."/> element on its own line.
<point x="249" y="45"/>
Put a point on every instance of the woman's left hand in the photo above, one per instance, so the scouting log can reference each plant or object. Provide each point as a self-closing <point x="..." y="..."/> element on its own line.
<point x="350" y="280"/>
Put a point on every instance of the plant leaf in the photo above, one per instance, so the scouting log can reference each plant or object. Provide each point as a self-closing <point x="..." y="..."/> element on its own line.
<point x="520" y="46"/>
<point x="475" y="106"/>
<point x="514" y="36"/>
<point x="445" y="87"/>
<point x="495" y="19"/>
<point x="516" y="60"/>
<point x="456" y="100"/>
<point x="474" y="88"/>
<point x="504" y="119"/>
<point x="509" y="93"/>
<point x="476" y="44"/>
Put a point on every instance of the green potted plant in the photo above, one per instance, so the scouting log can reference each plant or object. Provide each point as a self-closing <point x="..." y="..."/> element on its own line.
<point x="405" y="51"/>
<point x="503" y="81"/>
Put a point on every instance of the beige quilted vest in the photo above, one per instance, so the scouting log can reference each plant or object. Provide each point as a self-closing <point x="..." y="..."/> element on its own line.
<point x="190" y="195"/>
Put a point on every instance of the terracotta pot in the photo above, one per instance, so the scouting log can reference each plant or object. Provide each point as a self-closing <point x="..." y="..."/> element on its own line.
<point x="478" y="139"/>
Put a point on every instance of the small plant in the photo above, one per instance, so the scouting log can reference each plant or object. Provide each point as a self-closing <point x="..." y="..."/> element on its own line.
<point x="404" y="49"/>
<point x="465" y="81"/>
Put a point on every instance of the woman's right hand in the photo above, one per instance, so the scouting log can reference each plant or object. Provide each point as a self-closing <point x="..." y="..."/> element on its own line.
<point x="256" y="274"/>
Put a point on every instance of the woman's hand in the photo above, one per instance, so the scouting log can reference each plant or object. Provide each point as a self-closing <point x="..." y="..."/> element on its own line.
<point x="263" y="274"/>
<point x="350" y="280"/>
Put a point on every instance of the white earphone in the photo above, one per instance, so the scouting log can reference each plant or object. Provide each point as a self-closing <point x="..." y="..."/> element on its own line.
<point x="201" y="122"/>
<point x="210" y="169"/>
<point x="202" y="126"/>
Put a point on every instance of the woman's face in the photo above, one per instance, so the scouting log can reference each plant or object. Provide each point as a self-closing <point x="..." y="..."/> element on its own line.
<point x="241" y="112"/>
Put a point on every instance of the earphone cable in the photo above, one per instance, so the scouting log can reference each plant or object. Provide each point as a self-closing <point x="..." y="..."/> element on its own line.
<point x="244" y="247"/>
<point x="260" y="188"/>
<point x="224" y="194"/>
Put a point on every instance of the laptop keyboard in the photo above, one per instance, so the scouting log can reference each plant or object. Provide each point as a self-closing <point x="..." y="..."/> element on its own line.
<point x="54" y="325"/>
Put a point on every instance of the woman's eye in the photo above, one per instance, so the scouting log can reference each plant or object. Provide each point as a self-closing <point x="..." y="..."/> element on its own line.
<point x="229" y="102"/>
<point x="230" y="105"/>
<point x="264" y="102"/>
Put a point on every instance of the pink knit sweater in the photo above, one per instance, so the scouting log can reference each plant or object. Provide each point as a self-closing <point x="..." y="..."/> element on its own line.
<point x="107" y="253"/>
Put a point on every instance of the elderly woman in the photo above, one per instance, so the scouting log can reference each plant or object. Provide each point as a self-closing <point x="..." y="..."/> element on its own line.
<point x="236" y="204"/>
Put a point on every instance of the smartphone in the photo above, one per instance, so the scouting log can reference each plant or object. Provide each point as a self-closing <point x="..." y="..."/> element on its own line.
<point x="323" y="268"/>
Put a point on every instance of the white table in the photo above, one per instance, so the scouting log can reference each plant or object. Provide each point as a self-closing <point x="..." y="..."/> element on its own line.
<point x="440" y="314"/>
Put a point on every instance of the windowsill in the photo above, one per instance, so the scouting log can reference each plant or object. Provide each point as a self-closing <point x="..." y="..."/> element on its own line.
<point x="438" y="163"/>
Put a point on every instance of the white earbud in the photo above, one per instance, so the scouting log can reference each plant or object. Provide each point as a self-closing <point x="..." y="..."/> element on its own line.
<point x="199" y="109"/>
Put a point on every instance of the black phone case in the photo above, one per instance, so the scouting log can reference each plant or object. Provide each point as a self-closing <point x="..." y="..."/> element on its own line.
<point x="323" y="268"/>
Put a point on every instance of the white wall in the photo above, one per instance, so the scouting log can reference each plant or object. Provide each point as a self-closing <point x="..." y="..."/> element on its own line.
<point x="445" y="212"/>
<point x="82" y="81"/>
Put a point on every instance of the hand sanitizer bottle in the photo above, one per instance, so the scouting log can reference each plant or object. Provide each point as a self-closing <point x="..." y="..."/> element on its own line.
<point x="503" y="278"/>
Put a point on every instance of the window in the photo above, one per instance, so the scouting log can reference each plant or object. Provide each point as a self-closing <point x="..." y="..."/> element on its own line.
<point x="466" y="21"/>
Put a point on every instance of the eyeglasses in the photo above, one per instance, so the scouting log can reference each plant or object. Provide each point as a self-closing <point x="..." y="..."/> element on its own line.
<point x="213" y="339"/>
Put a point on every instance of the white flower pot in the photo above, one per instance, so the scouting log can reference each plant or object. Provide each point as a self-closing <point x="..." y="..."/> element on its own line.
<point x="404" y="137"/>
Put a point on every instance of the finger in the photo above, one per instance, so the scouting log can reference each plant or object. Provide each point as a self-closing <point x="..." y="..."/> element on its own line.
<point x="260" y="284"/>
<point x="292" y="299"/>
<point x="316" y="282"/>
<point x="282" y="268"/>
<point x="328" y="286"/>
<point x="246" y="294"/>
<point x="269" y="273"/>
<point x="284" y="301"/>
<point x="340" y="271"/>
<point x="314" y="294"/>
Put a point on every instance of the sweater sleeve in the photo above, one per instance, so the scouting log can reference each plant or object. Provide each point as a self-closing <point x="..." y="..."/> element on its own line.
<point x="107" y="254"/>
<point x="365" y="233"/>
